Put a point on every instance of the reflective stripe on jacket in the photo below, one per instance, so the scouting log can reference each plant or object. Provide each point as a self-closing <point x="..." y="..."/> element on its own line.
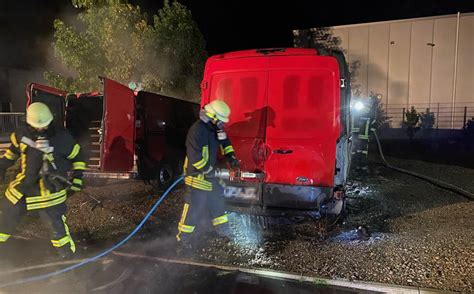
<point x="202" y="146"/>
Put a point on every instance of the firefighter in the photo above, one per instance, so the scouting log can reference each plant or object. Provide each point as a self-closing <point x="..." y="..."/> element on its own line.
<point x="204" y="197"/>
<point x="363" y="126"/>
<point x="46" y="154"/>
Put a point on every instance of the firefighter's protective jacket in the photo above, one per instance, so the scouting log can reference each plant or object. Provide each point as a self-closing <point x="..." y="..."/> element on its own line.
<point x="35" y="180"/>
<point x="202" y="146"/>
<point x="365" y="124"/>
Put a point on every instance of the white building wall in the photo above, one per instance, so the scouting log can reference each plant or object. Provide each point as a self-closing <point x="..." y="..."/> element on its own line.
<point x="358" y="50"/>
<point x="378" y="60"/>
<point x="465" y="68"/>
<point x="413" y="63"/>
<point x="420" y="62"/>
<point x="442" y="73"/>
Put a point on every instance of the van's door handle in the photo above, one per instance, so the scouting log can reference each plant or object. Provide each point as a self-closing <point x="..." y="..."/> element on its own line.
<point x="282" y="151"/>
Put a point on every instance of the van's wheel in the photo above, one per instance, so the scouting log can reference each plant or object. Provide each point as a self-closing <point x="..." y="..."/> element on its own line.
<point x="164" y="176"/>
<point x="335" y="210"/>
<point x="336" y="207"/>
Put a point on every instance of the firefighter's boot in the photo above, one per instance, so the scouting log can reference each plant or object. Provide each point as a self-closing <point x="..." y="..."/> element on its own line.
<point x="185" y="249"/>
<point x="65" y="253"/>
<point x="224" y="233"/>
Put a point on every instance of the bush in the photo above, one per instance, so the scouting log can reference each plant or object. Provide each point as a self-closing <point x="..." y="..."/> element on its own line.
<point x="427" y="120"/>
<point x="469" y="128"/>
<point x="412" y="118"/>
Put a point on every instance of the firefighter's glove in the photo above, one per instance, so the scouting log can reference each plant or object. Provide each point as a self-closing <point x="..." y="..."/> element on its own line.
<point x="208" y="170"/>
<point x="234" y="162"/>
<point x="222" y="183"/>
<point x="76" y="185"/>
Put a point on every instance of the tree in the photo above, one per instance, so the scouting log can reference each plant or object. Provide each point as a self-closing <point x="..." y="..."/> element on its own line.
<point x="382" y="120"/>
<point x="165" y="54"/>
<point x="90" y="3"/>
<point x="325" y="42"/>
<point x="322" y="39"/>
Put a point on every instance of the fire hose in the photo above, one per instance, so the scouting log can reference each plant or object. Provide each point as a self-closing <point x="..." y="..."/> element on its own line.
<point x="433" y="181"/>
<point x="102" y="254"/>
<point x="217" y="173"/>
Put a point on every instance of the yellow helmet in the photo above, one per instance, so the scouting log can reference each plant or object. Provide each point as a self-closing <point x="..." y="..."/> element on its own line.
<point x="38" y="115"/>
<point x="218" y="109"/>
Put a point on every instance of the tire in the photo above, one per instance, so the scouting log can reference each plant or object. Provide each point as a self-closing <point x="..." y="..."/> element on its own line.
<point x="335" y="207"/>
<point x="165" y="174"/>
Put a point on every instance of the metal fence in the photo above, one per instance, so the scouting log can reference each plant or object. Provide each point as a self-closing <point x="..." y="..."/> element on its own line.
<point x="9" y="121"/>
<point x="446" y="116"/>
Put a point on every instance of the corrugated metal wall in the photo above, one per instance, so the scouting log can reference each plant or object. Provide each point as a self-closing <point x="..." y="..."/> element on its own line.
<point x="413" y="62"/>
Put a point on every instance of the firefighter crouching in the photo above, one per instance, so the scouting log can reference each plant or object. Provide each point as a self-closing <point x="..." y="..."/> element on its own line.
<point x="204" y="196"/>
<point x="45" y="152"/>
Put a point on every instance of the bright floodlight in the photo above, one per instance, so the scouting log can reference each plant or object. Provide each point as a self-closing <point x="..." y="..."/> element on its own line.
<point x="359" y="106"/>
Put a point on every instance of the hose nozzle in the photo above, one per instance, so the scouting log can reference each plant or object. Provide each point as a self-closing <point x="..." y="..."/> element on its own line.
<point x="236" y="175"/>
<point x="222" y="173"/>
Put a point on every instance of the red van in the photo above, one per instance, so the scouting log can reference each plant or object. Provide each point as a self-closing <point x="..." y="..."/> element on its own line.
<point x="289" y="124"/>
<point x="125" y="134"/>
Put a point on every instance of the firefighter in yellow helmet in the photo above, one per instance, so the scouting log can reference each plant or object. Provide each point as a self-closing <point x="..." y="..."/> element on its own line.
<point x="45" y="151"/>
<point x="363" y="126"/>
<point x="204" y="197"/>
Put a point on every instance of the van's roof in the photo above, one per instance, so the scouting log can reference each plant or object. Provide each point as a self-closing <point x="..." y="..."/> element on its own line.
<point x="266" y="52"/>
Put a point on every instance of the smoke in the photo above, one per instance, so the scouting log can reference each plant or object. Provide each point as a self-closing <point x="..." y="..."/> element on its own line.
<point x="127" y="55"/>
<point x="52" y="62"/>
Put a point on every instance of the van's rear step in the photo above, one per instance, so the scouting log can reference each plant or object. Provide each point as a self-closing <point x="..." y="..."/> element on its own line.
<point x="276" y="195"/>
<point x="114" y="175"/>
<point x="274" y="214"/>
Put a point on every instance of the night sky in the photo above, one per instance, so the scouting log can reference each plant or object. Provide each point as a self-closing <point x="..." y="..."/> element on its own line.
<point x="26" y="25"/>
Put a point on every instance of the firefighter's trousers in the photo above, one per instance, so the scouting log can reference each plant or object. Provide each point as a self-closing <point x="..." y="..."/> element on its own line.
<point x="361" y="146"/>
<point x="201" y="207"/>
<point x="360" y="153"/>
<point x="54" y="217"/>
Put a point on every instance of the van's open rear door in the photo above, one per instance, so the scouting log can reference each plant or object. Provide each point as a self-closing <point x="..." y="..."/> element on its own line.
<point x="54" y="98"/>
<point x="118" y="143"/>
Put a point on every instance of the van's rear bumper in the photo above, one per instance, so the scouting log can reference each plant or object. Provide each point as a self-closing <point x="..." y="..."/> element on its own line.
<point x="294" y="197"/>
<point x="268" y="195"/>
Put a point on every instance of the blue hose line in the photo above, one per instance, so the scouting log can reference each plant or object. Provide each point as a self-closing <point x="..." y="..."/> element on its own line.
<point x="100" y="255"/>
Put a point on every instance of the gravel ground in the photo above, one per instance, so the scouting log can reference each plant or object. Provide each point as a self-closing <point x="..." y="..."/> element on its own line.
<point x="410" y="232"/>
<point x="419" y="236"/>
<point x="463" y="177"/>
